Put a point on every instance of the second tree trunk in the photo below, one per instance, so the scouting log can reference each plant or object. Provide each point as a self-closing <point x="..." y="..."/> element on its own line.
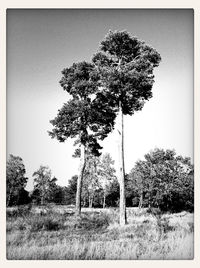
<point x="122" y="205"/>
<point x="80" y="180"/>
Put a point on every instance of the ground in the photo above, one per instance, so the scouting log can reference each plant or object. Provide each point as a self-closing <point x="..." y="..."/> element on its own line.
<point x="53" y="232"/>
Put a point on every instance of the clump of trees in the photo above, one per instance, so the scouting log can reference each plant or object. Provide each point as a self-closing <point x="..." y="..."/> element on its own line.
<point x="164" y="180"/>
<point x="98" y="179"/>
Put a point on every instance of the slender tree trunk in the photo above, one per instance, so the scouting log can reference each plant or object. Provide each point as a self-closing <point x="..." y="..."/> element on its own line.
<point x="104" y="200"/>
<point x="141" y="201"/>
<point x="42" y="200"/>
<point x="84" y="201"/>
<point x="91" y="202"/>
<point x="9" y="197"/>
<point x="80" y="180"/>
<point x="42" y="197"/>
<point x="122" y="205"/>
<point x="149" y="203"/>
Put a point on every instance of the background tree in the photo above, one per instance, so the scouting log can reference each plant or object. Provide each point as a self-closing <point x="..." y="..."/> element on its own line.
<point x="61" y="195"/>
<point x="84" y="117"/>
<point x="99" y="182"/>
<point x="91" y="184"/>
<point x="106" y="174"/>
<point x="23" y="197"/>
<point x="44" y="184"/>
<point x="72" y="189"/>
<point x="15" y="179"/>
<point x="125" y="65"/>
<point x="98" y="177"/>
<point x="132" y="190"/>
<point x="164" y="180"/>
<point x="112" y="197"/>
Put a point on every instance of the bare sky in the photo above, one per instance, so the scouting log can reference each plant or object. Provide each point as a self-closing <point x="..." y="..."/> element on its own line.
<point x="40" y="43"/>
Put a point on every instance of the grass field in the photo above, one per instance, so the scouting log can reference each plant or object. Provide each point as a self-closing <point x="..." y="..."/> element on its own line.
<point x="55" y="233"/>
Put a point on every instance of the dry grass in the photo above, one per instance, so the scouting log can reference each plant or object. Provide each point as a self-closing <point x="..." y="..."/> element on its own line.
<point x="55" y="233"/>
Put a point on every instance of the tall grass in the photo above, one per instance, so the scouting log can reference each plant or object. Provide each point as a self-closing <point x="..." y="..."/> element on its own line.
<point x="96" y="234"/>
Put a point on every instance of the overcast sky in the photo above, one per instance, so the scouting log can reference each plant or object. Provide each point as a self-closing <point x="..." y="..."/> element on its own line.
<point x="40" y="43"/>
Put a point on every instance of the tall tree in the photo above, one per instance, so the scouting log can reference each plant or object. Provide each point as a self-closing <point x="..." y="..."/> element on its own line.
<point x="44" y="184"/>
<point x="125" y="65"/>
<point x="15" y="179"/>
<point x="85" y="117"/>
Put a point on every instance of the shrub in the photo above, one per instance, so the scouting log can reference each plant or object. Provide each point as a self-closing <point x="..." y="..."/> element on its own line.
<point x="20" y="211"/>
<point x="93" y="221"/>
<point x="47" y="223"/>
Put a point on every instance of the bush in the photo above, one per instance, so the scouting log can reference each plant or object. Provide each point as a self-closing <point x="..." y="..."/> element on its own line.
<point x="20" y="211"/>
<point x="47" y="223"/>
<point x="91" y="222"/>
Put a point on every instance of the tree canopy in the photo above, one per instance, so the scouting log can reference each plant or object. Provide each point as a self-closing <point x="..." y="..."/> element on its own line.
<point x="125" y="65"/>
<point x="84" y="117"/>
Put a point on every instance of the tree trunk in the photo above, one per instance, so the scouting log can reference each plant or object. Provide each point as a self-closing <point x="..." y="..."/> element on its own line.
<point x="84" y="201"/>
<point x="91" y="202"/>
<point x="43" y="191"/>
<point x="80" y="179"/>
<point x="122" y="205"/>
<point x="104" y="200"/>
<point x="141" y="201"/>
<point x="9" y="197"/>
<point x="42" y="200"/>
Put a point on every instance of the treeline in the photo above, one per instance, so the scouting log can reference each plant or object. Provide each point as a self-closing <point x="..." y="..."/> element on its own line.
<point x="163" y="180"/>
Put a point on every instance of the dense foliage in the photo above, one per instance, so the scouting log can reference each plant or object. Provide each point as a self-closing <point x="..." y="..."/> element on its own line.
<point x="85" y="116"/>
<point x="125" y="65"/>
<point x="162" y="180"/>
<point x="15" y="181"/>
<point x="44" y="185"/>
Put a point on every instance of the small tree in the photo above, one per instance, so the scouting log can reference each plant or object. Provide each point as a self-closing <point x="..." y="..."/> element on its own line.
<point x="15" y="179"/>
<point x="85" y="117"/>
<point x="125" y="66"/>
<point x="44" y="184"/>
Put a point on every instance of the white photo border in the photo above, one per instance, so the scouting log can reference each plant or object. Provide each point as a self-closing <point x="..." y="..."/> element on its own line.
<point x="103" y="4"/>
